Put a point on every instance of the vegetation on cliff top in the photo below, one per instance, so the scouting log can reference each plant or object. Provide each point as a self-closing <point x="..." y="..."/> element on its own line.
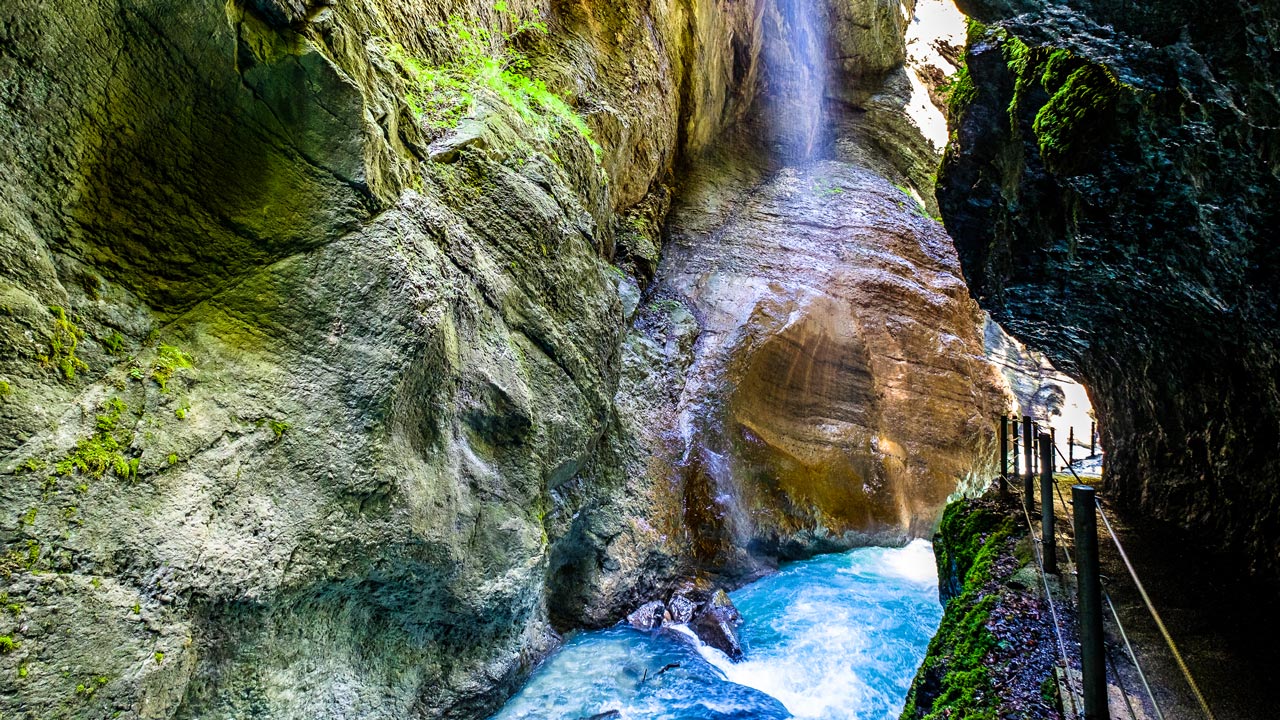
<point x="441" y="95"/>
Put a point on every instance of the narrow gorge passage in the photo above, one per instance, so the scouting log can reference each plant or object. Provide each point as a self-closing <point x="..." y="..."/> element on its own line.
<point x="377" y="359"/>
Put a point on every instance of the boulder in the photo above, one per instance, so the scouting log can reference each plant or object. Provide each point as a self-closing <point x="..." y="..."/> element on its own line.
<point x="716" y="625"/>
<point x="681" y="608"/>
<point x="648" y="616"/>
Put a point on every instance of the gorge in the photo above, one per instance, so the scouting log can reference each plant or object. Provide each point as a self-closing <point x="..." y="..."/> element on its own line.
<point x="357" y="354"/>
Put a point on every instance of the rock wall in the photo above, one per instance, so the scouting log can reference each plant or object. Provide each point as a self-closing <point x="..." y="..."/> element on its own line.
<point x="288" y="374"/>
<point x="1110" y="186"/>
<point x="839" y="387"/>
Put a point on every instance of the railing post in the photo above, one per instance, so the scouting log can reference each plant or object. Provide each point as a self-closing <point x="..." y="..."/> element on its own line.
<point x="1029" y="472"/>
<point x="1071" y="447"/>
<point x="1013" y="433"/>
<point x="1047" y="537"/>
<point x="1093" y="438"/>
<point x="1093" y="665"/>
<point x="1053" y="447"/>
<point x="1004" y="455"/>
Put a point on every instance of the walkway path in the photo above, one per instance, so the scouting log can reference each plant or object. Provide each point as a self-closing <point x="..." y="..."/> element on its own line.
<point x="1226" y="626"/>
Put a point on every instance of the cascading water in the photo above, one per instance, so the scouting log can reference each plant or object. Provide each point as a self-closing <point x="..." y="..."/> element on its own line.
<point x="795" y="62"/>
<point x="837" y="637"/>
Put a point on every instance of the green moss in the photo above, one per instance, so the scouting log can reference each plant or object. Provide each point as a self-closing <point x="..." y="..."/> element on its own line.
<point x="114" y="343"/>
<point x="441" y="95"/>
<point x="959" y="92"/>
<point x="169" y="360"/>
<point x="31" y="465"/>
<point x="279" y="427"/>
<point x="102" y="451"/>
<point x="63" y="341"/>
<point x="1077" y="111"/>
<point x="5" y="389"/>
<point x="159" y="656"/>
<point x="8" y="644"/>
<point x="172" y="459"/>
<point x="955" y="670"/>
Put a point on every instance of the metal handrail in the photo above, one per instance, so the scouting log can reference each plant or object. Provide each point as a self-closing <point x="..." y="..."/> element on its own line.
<point x="1173" y="647"/>
<point x="1133" y="657"/>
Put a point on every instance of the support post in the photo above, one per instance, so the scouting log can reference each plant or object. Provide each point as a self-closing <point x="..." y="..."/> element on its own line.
<point x="1093" y="438"/>
<point x="1004" y="455"/>
<point x="1013" y="432"/>
<point x="1094" y="669"/>
<point x="1029" y="471"/>
<point x="1048" y="541"/>
<point x="1071" y="447"/>
<point x="1053" y="447"/>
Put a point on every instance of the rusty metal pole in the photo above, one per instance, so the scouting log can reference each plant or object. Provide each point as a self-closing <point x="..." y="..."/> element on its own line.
<point x="1004" y="455"/>
<point x="1092" y="661"/>
<point x="1047" y="537"/>
<point x="1029" y="468"/>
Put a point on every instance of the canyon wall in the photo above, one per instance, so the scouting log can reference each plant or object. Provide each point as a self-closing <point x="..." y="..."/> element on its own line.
<point x="334" y="375"/>
<point x="1110" y="186"/>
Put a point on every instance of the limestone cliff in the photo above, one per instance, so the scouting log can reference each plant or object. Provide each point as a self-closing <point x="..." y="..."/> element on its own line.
<point x="1110" y="185"/>
<point x="319" y="393"/>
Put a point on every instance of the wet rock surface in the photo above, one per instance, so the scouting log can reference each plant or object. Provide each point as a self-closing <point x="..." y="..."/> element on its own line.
<point x="1110" y="187"/>
<point x="839" y="388"/>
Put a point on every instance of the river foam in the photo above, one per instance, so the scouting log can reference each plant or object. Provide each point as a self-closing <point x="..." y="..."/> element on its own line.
<point x="837" y="637"/>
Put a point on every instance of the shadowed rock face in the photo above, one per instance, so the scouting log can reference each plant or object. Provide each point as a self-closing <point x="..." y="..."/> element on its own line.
<point x="1111" y="188"/>
<point x="839" y="388"/>
<point x="342" y="507"/>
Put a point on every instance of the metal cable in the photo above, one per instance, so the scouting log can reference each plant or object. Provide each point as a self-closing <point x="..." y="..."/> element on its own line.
<point x="1173" y="647"/>
<point x="1124" y="636"/>
<point x="1053" y="610"/>
<point x="1119" y="625"/>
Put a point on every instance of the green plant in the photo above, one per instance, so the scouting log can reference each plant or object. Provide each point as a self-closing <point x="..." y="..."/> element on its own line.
<point x="114" y="343"/>
<point x="100" y="452"/>
<point x="31" y="465"/>
<point x="159" y="656"/>
<point x="63" y="342"/>
<point x="22" y="670"/>
<point x="278" y="427"/>
<point x="441" y="95"/>
<point x="173" y="458"/>
<point x="916" y="205"/>
<point x="5" y="389"/>
<point x="8" y="644"/>
<point x="169" y="360"/>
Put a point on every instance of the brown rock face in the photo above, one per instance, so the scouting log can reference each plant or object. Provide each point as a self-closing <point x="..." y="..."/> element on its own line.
<point x="839" y="389"/>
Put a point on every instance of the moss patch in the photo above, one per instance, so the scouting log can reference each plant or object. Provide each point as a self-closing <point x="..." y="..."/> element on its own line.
<point x="955" y="676"/>
<point x="441" y="95"/>
<point x="63" y="341"/>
